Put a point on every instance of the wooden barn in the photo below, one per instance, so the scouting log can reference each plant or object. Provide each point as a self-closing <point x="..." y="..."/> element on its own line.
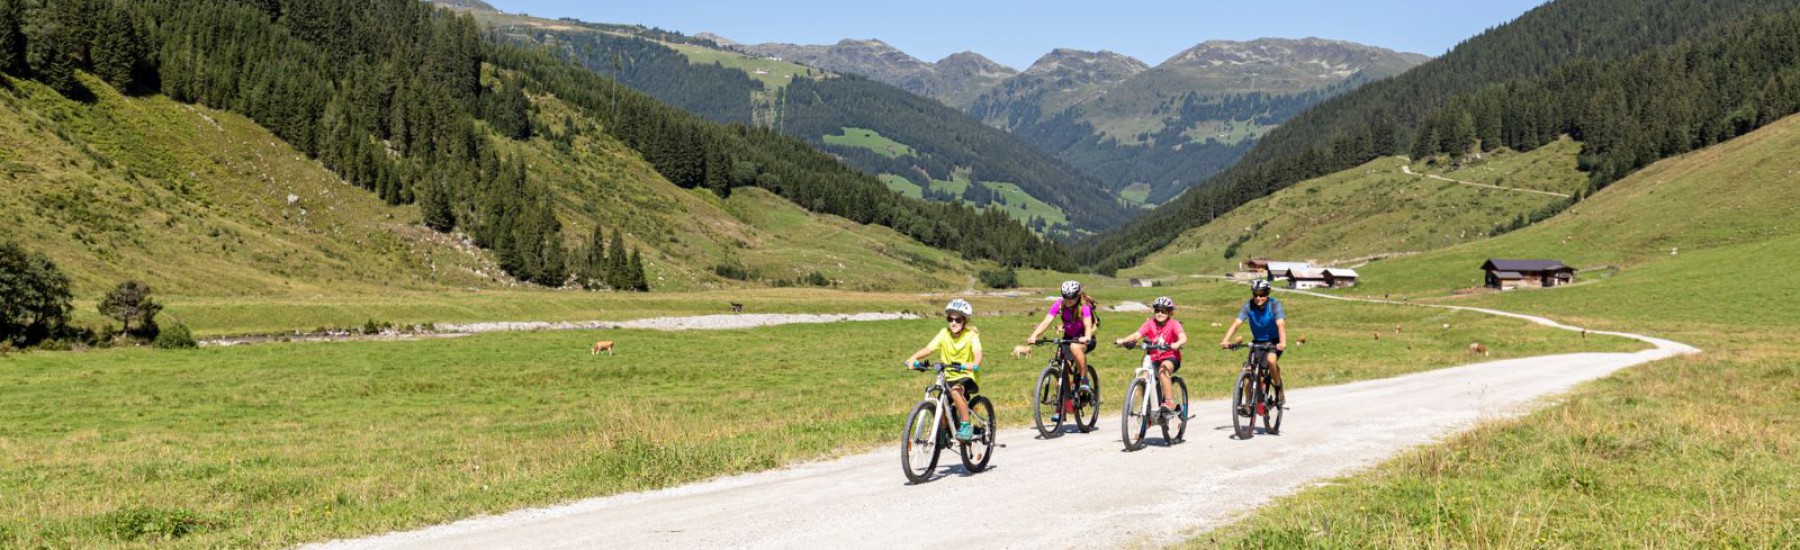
<point x="1511" y="274"/>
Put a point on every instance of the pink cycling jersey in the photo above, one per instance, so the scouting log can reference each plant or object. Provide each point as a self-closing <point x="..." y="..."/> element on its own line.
<point x="1167" y="333"/>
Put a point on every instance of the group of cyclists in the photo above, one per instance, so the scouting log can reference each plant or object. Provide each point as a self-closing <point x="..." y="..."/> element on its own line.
<point x="960" y="344"/>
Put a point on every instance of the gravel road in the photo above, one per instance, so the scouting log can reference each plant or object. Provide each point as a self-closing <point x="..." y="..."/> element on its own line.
<point x="1077" y="490"/>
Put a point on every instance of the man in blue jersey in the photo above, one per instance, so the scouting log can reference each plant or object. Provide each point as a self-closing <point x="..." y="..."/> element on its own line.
<point x="1268" y="323"/>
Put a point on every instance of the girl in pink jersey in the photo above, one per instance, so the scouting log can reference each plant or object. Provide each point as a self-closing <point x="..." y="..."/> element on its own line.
<point x="1162" y="328"/>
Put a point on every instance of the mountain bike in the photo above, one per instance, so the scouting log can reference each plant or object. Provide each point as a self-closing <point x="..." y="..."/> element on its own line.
<point x="930" y="427"/>
<point x="1143" y="403"/>
<point x="1254" y="395"/>
<point x="1059" y="399"/>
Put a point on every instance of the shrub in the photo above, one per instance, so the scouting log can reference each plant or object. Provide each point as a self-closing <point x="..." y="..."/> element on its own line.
<point x="999" y="278"/>
<point x="817" y="279"/>
<point x="153" y="524"/>
<point x="175" y="337"/>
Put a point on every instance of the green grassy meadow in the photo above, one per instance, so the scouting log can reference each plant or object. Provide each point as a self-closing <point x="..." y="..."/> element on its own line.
<point x="1687" y="452"/>
<point x="903" y="185"/>
<point x="871" y="140"/>
<point x="271" y="445"/>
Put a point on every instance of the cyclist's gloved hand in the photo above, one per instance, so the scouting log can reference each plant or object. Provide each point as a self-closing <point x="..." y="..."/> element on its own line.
<point x="971" y="368"/>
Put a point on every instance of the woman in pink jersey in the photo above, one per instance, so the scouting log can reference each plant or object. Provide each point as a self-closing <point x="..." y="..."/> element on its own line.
<point x="1076" y="312"/>
<point x="1162" y="328"/>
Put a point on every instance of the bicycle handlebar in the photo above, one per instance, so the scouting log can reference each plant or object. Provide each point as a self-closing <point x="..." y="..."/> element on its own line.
<point x="934" y="365"/>
<point x="1148" y="347"/>
<point x="1059" y="341"/>
<point x="1253" y="347"/>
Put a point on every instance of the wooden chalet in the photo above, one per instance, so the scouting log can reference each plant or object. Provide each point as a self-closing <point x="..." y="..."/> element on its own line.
<point x="1511" y="274"/>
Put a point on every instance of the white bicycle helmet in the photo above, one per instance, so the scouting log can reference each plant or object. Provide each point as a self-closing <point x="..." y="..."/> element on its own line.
<point x="1259" y="287"/>
<point x="1070" y="289"/>
<point x="960" y="305"/>
<point x="1163" y="302"/>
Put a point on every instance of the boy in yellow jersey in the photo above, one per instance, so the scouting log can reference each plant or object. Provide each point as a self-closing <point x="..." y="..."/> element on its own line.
<point x="957" y="343"/>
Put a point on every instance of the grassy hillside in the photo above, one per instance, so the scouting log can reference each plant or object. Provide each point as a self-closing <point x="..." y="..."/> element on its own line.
<point x="200" y="202"/>
<point x="1643" y="458"/>
<point x="1374" y="209"/>
<point x="1735" y="193"/>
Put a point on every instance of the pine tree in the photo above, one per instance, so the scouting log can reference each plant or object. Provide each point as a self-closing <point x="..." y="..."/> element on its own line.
<point x="616" y="263"/>
<point x="593" y="261"/>
<point x="635" y="272"/>
<point x="12" y="37"/>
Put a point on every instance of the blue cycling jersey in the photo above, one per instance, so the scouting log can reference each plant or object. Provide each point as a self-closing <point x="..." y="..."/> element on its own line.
<point x="1262" y="319"/>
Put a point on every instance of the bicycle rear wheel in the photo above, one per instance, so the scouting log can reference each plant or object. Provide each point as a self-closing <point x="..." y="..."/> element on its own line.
<point x="1133" y="420"/>
<point x="1087" y="404"/>
<point x="1242" y="400"/>
<point x="1177" y="395"/>
<point x="919" y="445"/>
<point x="977" y="451"/>
<point x="1047" y="402"/>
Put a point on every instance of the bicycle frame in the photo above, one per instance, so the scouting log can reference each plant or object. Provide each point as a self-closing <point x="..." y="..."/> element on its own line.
<point x="939" y="393"/>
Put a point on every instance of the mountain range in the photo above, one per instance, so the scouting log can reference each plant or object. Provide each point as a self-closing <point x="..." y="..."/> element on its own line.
<point x="1145" y="131"/>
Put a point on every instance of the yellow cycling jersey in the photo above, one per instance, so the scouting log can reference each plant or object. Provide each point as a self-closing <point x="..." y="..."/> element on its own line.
<point x="957" y="349"/>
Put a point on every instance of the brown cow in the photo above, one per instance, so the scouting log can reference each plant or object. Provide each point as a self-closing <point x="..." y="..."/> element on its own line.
<point x="1021" y="351"/>
<point x="1302" y="340"/>
<point x="1478" y="348"/>
<point x="603" y="345"/>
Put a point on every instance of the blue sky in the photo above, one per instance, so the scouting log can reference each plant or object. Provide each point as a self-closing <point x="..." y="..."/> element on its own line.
<point x="1016" y="33"/>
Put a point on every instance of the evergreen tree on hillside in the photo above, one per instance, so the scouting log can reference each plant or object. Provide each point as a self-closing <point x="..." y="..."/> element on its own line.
<point x="12" y="37"/>
<point x="634" y="270"/>
<point x="50" y="47"/>
<point x="593" y="260"/>
<point x="617" y="262"/>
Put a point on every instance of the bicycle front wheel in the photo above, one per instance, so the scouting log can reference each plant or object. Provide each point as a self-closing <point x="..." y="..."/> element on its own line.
<point x="1272" y="418"/>
<point x="977" y="451"/>
<point x="1178" y="395"/>
<point x="1134" y="421"/>
<point x="1047" y="403"/>
<point x="1243" y="424"/>
<point x="919" y="445"/>
<point x="1087" y="404"/>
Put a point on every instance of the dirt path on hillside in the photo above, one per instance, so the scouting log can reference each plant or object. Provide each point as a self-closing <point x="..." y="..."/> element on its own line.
<point x="1077" y="490"/>
<point x="694" y="322"/>
<point x="1408" y="171"/>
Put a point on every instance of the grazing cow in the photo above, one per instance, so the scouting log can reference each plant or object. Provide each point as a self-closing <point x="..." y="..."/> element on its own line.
<point x="1396" y="328"/>
<point x="603" y="345"/>
<point x="1021" y="351"/>
<point x="1302" y="340"/>
<point x="1377" y="335"/>
<point x="1478" y="348"/>
<point x="737" y="307"/>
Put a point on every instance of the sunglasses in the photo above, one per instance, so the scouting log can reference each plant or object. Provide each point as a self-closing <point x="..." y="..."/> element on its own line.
<point x="957" y="320"/>
<point x="1165" y="310"/>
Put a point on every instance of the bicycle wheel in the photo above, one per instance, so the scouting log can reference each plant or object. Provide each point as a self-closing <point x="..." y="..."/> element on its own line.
<point x="1087" y="405"/>
<point x="1241" y="394"/>
<point x="919" y="445"/>
<point x="977" y="451"/>
<point x="1177" y="395"/>
<point x="1272" y="416"/>
<point x="1133" y="421"/>
<point x="1048" y="403"/>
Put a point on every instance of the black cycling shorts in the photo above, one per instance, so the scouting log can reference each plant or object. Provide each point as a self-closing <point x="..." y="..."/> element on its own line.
<point x="1277" y="352"/>
<point x="1176" y="366"/>
<point x="970" y="388"/>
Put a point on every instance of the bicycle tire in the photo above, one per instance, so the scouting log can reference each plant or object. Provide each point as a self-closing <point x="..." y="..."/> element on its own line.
<point x="976" y="452"/>
<point x="1091" y="404"/>
<point x="1133" y="421"/>
<point x="1049" y="386"/>
<point x="918" y="444"/>
<point x="1178" y="391"/>
<point x="1242" y="426"/>
<point x="1272" y="416"/>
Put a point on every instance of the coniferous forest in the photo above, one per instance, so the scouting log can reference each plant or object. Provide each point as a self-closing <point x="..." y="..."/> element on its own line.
<point x="1633" y="81"/>
<point x="389" y="94"/>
